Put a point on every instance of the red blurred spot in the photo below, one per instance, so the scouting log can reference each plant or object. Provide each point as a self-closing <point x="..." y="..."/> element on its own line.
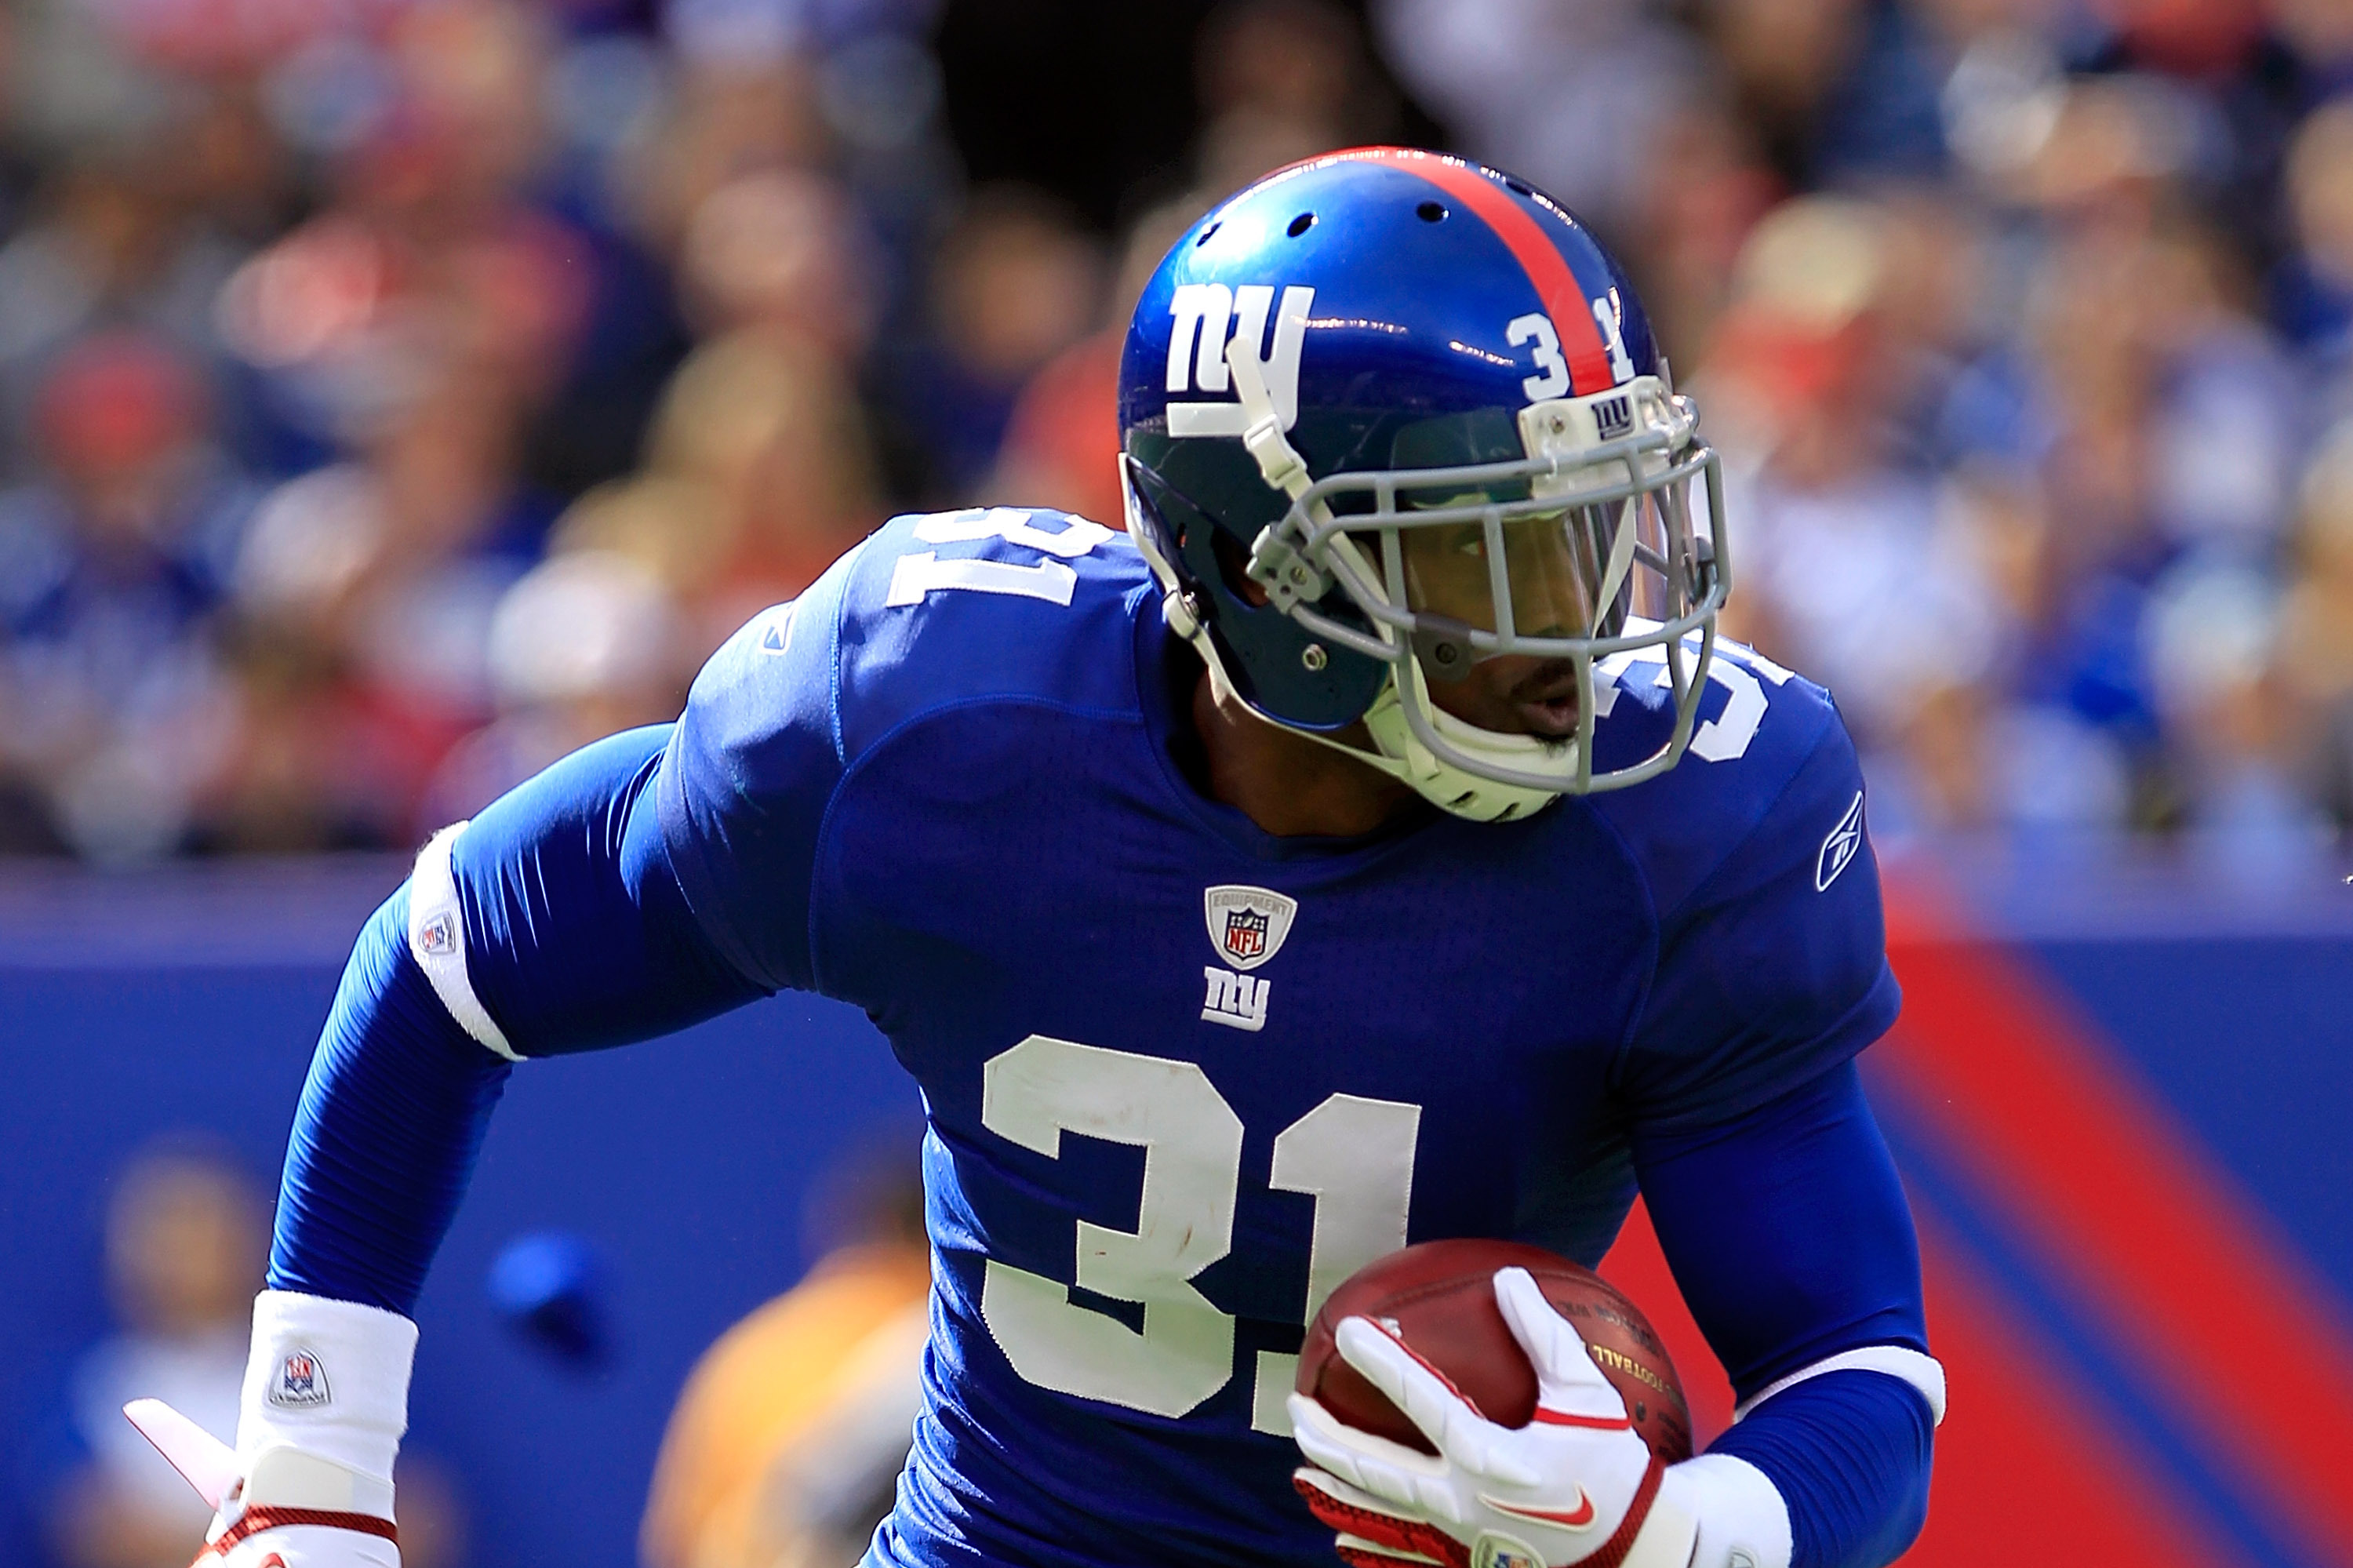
<point x="117" y="401"/>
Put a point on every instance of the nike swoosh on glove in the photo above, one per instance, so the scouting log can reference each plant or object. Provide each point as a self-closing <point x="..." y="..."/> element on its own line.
<point x="1576" y="1486"/>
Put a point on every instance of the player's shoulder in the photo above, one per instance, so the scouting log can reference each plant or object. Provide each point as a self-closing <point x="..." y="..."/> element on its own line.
<point x="939" y="609"/>
<point x="1769" y="762"/>
<point x="990" y="603"/>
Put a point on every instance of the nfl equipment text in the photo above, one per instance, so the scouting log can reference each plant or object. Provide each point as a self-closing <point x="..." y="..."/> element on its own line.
<point x="1247" y="924"/>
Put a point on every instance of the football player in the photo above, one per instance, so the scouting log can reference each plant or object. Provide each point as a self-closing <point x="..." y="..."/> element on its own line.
<point x="1374" y="843"/>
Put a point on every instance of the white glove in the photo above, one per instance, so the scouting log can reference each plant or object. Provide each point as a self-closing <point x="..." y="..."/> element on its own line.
<point x="1574" y="1486"/>
<point x="308" y="1484"/>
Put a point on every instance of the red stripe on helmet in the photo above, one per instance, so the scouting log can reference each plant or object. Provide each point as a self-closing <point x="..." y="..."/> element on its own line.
<point x="1565" y="298"/>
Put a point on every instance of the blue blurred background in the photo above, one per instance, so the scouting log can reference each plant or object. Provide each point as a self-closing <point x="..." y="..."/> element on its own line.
<point x="686" y="1166"/>
<point x="2118" y="1096"/>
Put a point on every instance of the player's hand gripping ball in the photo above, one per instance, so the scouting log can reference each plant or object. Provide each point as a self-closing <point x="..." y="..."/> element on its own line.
<point x="1485" y="1405"/>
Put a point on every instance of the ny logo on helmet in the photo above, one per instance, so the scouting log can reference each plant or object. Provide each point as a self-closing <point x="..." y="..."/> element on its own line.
<point x="1613" y="417"/>
<point x="1207" y="314"/>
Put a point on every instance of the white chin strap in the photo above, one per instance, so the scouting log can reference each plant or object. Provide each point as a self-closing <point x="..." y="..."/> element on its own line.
<point x="1400" y="754"/>
<point x="1403" y="757"/>
<point x="1453" y="788"/>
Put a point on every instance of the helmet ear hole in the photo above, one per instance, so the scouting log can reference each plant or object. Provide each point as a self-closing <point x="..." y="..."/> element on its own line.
<point x="1233" y="568"/>
<point x="1301" y="224"/>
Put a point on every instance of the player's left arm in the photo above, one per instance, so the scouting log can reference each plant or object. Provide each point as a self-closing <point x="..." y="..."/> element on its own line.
<point x="1781" y="1213"/>
<point x="1770" y="1187"/>
<point x="1790" y="1238"/>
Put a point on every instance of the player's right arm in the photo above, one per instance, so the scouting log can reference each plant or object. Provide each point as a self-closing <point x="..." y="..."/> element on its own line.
<point x="641" y="884"/>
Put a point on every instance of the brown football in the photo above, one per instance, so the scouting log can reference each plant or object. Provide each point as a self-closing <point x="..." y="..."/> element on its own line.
<point x="1439" y="1297"/>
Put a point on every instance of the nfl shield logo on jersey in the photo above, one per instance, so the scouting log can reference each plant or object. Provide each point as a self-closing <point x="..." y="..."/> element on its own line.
<point x="1247" y="924"/>
<point x="1245" y="934"/>
<point x="301" y="1383"/>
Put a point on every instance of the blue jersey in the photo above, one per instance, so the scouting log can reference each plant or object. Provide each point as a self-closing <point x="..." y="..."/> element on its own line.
<point x="1182" y="1076"/>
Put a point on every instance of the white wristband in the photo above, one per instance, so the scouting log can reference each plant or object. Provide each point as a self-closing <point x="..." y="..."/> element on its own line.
<point x="1741" y="1519"/>
<point x="330" y="1378"/>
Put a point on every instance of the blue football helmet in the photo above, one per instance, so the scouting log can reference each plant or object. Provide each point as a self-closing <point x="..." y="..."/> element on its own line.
<point x="1385" y="414"/>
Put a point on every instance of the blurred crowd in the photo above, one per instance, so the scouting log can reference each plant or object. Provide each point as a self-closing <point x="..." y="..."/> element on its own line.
<point x="394" y="394"/>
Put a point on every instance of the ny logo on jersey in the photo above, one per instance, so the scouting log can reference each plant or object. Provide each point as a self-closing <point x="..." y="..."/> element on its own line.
<point x="1246" y="926"/>
<point x="1235" y="1001"/>
<point x="1207" y="314"/>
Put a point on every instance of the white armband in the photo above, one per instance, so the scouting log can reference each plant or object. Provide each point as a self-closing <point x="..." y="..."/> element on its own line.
<point x="1925" y="1373"/>
<point x="1725" y="1512"/>
<point x="436" y="939"/>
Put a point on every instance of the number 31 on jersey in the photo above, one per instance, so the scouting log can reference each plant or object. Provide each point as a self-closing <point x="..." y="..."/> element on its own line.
<point x="1353" y="1155"/>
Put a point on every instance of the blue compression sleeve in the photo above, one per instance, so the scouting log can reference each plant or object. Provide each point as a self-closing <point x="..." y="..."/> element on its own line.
<point x="390" y="1121"/>
<point x="1848" y="1451"/>
<point x="577" y="933"/>
<point x="576" y="936"/>
<point x="1788" y="1234"/>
